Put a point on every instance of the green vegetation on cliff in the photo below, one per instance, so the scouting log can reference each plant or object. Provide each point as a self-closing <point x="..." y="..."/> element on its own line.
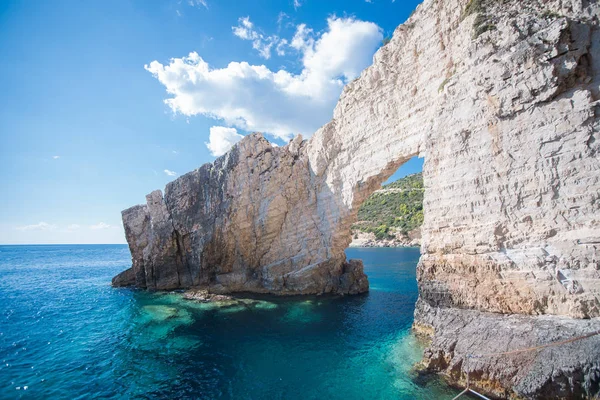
<point x="397" y="205"/>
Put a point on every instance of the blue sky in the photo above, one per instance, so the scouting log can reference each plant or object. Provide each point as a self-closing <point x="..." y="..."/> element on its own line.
<point x="84" y="128"/>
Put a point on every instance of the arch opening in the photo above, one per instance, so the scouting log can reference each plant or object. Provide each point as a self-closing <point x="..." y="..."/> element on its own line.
<point x="392" y="215"/>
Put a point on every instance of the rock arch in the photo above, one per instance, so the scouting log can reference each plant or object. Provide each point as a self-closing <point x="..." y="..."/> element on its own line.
<point x="508" y="123"/>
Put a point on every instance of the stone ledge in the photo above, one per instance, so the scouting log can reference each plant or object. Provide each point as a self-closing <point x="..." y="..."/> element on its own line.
<point x="570" y="370"/>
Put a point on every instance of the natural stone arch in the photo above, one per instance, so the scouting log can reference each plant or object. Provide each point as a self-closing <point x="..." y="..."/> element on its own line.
<point x="508" y="125"/>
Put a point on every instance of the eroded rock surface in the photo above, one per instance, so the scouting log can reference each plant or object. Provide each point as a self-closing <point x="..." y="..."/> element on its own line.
<point x="501" y="98"/>
<point x="570" y="370"/>
<point x="256" y="220"/>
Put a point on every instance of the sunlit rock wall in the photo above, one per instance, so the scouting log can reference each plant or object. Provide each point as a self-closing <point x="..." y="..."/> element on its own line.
<point x="501" y="98"/>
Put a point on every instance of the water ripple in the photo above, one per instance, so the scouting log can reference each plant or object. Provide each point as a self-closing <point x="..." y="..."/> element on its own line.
<point x="65" y="333"/>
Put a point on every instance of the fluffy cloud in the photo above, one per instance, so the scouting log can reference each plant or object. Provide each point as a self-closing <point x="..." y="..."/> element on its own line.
<point x="255" y="98"/>
<point x="56" y="157"/>
<point x="303" y="40"/>
<point x="262" y="43"/>
<point x="100" y="225"/>
<point x="42" y="226"/>
<point x="170" y="173"/>
<point x="221" y="139"/>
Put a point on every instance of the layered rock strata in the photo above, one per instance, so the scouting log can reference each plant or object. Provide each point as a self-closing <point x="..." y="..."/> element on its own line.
<point x="501" y="98"/>
<point x="255" y="220"/>
<point x="512" y="356"/>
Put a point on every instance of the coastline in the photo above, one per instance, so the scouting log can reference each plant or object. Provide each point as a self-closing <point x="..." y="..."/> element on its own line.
<point x="396" y="239"/>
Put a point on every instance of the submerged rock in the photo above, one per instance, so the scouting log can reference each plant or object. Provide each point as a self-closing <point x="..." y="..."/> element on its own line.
<point x="206" y="296"/>
<point x="162" y="313"/>
<point x="218" y="301"/>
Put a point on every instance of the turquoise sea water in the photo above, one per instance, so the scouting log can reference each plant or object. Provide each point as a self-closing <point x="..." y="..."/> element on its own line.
<point x="65" y="333"/>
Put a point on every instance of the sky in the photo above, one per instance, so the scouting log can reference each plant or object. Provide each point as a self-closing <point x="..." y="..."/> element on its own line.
<point x="104" y="101"/>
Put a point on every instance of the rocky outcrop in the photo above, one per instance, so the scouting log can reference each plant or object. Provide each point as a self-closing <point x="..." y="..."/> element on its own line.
<point x="255" y="220"/>
<point x="470" y="340"/>
<point x="501" y="98"/>
<point x="507" y="121"/>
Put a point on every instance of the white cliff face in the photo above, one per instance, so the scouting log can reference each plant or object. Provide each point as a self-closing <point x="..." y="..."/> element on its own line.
<point x="507" y="120"/>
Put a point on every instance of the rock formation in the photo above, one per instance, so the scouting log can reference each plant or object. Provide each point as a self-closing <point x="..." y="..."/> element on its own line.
<point x="469" y="340"/>
<point x="255" y="220"/>
<point x="501" y="98"/>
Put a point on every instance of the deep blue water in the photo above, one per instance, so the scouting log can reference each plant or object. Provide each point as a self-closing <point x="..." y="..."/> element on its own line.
<point x="66" y="333"/>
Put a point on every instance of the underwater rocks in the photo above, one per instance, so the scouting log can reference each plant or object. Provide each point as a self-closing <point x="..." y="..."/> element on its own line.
<point x="206" y="296"/>
<point x="225" y="302"/>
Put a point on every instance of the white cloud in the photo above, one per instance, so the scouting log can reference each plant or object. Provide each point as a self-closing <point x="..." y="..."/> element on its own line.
<point x="195" y="3"/>
<point x="221" y="139"/>
<point x="262" y="43"/>
<point x="41" y="226"/>
<point x="255" y="98"/>
<point x="73" y="227"/>
<point x="100" y="225"/>
<point x="303" y="40"/>
<point x="297" y="4"/>
<point x="245" y="29"/>
<point x="170" y="173"/>
<point x="280" y="48"/>
<point x="56" y="157"/>
<point x="280" y="18"/>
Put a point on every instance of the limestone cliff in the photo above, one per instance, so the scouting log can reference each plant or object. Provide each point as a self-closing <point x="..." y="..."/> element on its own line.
<point x="501" y="98"/>
<point x="255" y="220"/>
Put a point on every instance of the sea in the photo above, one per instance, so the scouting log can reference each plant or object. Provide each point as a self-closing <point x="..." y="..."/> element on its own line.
<point x="65" y="333"/>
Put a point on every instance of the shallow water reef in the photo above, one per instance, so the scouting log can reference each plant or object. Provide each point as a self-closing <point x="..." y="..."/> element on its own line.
<point x="501" y="98"/>
<point x="206" y="300"/>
